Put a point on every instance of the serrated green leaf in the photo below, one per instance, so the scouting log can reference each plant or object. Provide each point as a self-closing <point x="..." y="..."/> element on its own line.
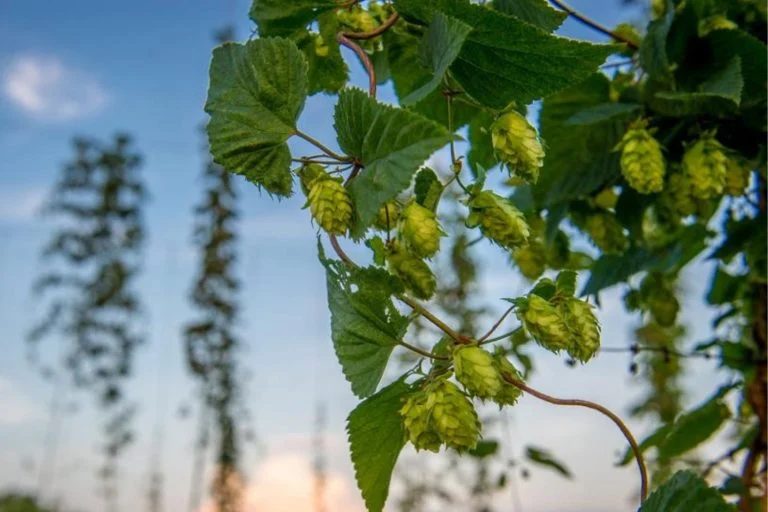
<point x="544" y="458"/>
<point x="480" y="152"/>
<point x="535" y="12"/>
<point x="579" y="159"/>
<point x="256" y="93"/>
<point x="694" y="427"/>
<point x="720" y="94"/>
<point x="376" y="437"/>
<point x="504" y="59"/>
<point x="685" y="492"/>
<point x="391" y="143"/>
<point x="484" y="448"/>
<point x="566" y="282"/>
<point x="440" y="46"/>
<point x="280" y="18"/>
<point x="653" y="49"/>
<point x="365" y="324"/>
<point x="603" y="112"/>
<point x="427" y="188"/>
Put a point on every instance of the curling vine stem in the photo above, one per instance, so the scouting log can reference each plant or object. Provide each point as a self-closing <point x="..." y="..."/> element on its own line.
<point x="422" y="352"/>
<point x="319" y="145"/>
<point x="496" y="325"/>
<point x="599" y="408"/>
<point x="584" y="20"/>
<point x="388" y="23"/>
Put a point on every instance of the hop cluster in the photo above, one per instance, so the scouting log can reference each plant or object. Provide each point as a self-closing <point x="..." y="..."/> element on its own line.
<point x="388" y="216"/>
<point x="508" y="394"/>
<point x="415" y="274"/>
<point x="441" y="412"/>
<point x="737" y="178"/>
<point x="705" y="166"/>
<point x="544" y="322"/>
<point x="585" y="330"/>
<point x="606" y="232"/>
<point x="498" y="219"/>
<point x="678" y="196"/>
<point x="420" y="230"/>
<point x="476" y="370"/>
<point x="356" y="19"/>
<point x="328" y="201"/>
<point x="642" y="163"/>
<point x="518" y="145"/>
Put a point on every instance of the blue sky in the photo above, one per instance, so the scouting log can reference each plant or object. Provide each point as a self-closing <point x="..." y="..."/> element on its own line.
<point x="93" y="68"/>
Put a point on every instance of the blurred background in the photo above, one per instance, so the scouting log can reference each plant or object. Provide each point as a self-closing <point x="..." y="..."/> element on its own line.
<point x="93" y="70"/>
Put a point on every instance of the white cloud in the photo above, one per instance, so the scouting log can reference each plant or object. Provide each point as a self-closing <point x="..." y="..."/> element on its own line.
<point x="20" y="205"/>
<point x="17" y="408"/>
<point x="46" y="88"/>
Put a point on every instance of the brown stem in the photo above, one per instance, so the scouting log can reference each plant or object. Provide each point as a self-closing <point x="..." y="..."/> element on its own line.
<point x="377" y="31"/>
<point x="367" y="64"/>
<point x="319" y="145"/>
<point x="593" y="24"/>
<point x="496" y="325"/>
<point x="599" y="408"/>
<point x="424" y="353"/>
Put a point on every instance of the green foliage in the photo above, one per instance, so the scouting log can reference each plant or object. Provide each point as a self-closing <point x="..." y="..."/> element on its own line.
<point x="535" y="12"/>
<point x="683" y="492"/>
<point x="544" y="458"/>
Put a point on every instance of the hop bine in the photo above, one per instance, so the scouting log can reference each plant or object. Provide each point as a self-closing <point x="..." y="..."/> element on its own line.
<point x="498" y="219"/>
<point x="705" y="164"/>
<point x="518" y="145"/>
<point x="642" y="163"/>
<point x="328" y="200"/>
<point x="420" y="230"/>
<point x="476" y="370"/>
<point x="414" y="272"/>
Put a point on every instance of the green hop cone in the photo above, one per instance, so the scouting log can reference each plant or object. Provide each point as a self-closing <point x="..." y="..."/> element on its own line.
<point x="418" y="424"/>
<point x="356" y="19"/>
<point x="517" y="144"/>
<point x="498" y="219"/>
<point x="642" y="163"/>
<point x="531" y="259"/>
<point x="388" y="216"/>
<point x="420" y="230"/>
<point x="452" y="415"/>
<point x="330" y="204"/>
<point x="509" y="393"/>
<point x="476" y="370"/>
<point x="585" y="329"/>
<point x="544" y="322"/>
<point x="678" y="196"/>
<point x="658" y="295"/>
<point x="414" y="272"/>
<point x="321" y="47"/>
<point x="705" y="165"/>
<point x="308" y="174"/>
<point x="606" y="232"/>
<point x="606" y="198"/>
<point x="737" y="179"/>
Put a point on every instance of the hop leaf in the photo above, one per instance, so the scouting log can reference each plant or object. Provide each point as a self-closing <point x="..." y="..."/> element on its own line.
<point x="420" y="230"/>
<point x="544" y="322"/>
<point x="498" y="219"/>
<point x="642" y="163"/>
<point x="606" y="232"/>
<point x="509" y="393"/>
<point x="388" y="216"/>
<point x="476" y="370"/>
<point x="581" y="321"/>
<point x="453" y="415"/>
<point x="416" y="420"/>
<point x="330" y="204"/>
<point x="415" y="274"/>
<point x="517" y="144"/>
<point x="705" y="165"/>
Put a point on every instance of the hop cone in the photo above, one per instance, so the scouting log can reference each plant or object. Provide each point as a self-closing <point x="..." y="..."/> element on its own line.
<point x="518" y="145"/>
<point x="420" y="230"/>
<point x="606" y="198"/>
<point x="642" y="163"/>
<point x="308" y="174"/>
<point x="582" y="323"/>
<point x="417" y="423"/>
<point x="356" y="19"/>
<point x="737" y="179"/>
<point x="509" y="394"/>
<point x="606" y="232"/>
<point x="678" y="196"/>
<point x="321" y="47"/>
<point x="498" y="219"/>
<point x="330" y="204"/>
<point x="544" y="322"/>
<point x="388" y="215"/>
<point x="531" y="259"/>
<point x="414" y="273"/>
<point x="452" y="415"/>
<point x="476" y="370"/>
<point x="658" y="294"/>
<point x="705" y="165"/>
